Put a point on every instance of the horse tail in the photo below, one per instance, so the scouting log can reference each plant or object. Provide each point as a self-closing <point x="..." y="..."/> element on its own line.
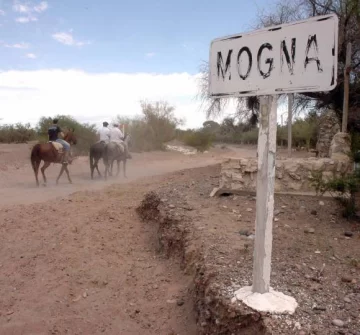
<point x="91" y="159"/>
<point x="35" y="159"/>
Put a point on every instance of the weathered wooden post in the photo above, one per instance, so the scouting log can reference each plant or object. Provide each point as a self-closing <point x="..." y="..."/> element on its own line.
<point x="346" y="89"/>
<point x="265" y="193"/>
<point x="291" y="58"/>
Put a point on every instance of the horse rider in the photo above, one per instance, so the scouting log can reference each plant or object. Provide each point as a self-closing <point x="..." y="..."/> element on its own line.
<point x="104" y="133"/>
<point x="53" y="133"/>
<point x="117" y="137"/>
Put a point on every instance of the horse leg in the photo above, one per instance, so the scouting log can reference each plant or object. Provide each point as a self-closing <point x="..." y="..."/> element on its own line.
<point x="106" y="170"/>
<point x="44" y="167"/>
<point x="92" y="171"/>
<point x="36" y="166"/>
<point x="118" y="167"/>
<point x="68" y="174"/>
<point x="97" y="167"/>
<point x="61" y="172"/>
<point x="124" y="168"/>
<point x="111" y="168"/>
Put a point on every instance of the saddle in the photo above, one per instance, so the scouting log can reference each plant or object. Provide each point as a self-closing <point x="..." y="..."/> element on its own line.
<point x="58" y="147"/>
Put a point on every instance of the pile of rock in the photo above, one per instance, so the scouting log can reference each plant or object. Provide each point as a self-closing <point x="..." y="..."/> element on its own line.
<point x="240" y="174"/>
<point x="328" y="127"/>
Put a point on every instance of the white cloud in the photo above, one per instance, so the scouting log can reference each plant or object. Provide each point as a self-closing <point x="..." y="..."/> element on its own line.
<point x="21" y="45"/>
<point x="150" y="54"/>
<point x="2" y="13"/>
<point x="28" y="95"/>
<point x="31" y="56"/>
<point x="29" y="11"/>
<point x="68" y="39"/>
<point x="21" y="8"/>
<point x="26" y="19"/>
<point x="41" y="7"/>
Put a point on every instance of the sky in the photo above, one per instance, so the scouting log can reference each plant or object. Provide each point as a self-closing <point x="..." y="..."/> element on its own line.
<point x="95" y="60"/>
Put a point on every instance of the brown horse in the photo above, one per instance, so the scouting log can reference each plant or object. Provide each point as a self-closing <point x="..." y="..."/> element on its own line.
<point x="48" y="153"/>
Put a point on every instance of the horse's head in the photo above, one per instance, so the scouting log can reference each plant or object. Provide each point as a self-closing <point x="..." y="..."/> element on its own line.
<point x="127" y="138"/>
<point x="70" y="136"/>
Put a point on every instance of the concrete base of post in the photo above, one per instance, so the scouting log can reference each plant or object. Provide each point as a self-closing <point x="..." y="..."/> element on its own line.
<point x="271" y="302"/>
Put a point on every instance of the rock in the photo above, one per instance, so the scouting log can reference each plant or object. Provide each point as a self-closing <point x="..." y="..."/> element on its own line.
<point x="309" y="230"/>
<point x="77" y="298"/>
<point x="249" y="209"/>
<point x="171" y="301"/>
<point x="346" y="299"/>
<point x="277" y="212"/>
<point x="244" y="232"/>
<point x="276" y="219"/>
<point x="321" y="203"/>
<point x="214" y="192"/>
<point x="313" y="212"/>
<point x="346" y="279"/>
<point x="338" y="323"/>
<point x="180" y="302"/>
<point x="171" y="206"/>
<point x="302" y="209"/>
<point x="328" y="127"/>
<point x="340" y="147"/>
<point x="348" y="234"/>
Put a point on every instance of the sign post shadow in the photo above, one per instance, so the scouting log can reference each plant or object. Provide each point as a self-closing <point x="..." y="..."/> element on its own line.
<point x="292" y="58"/>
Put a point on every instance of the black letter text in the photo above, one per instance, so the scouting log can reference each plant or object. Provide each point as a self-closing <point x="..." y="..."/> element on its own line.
<point x="269" y="61"/>
<point x="247" y="50"/>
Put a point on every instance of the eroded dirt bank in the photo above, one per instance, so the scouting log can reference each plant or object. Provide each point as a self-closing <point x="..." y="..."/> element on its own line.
<point x="315" y="256"/>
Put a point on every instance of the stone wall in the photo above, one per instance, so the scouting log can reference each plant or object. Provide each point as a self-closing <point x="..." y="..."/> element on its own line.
<point x="291" y="175"/>
<point x="328" y="127"/>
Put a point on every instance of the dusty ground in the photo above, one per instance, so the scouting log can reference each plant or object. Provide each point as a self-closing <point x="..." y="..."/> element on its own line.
<point x="313" y="259"/>
<point x="75" y="259"/>
<point x="17" y="179"/>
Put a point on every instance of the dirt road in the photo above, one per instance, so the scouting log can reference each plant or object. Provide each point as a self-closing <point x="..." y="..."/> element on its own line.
<point x="75" y="259"/>
<point x="17" y="182"/>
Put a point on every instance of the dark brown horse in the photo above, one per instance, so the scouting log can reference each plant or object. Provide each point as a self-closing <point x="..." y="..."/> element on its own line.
<point x="49" y="154"/>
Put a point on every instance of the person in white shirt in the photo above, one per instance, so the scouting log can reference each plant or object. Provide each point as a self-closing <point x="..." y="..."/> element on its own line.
<point x="117" y="137"/>
<point x="104" y="133"/>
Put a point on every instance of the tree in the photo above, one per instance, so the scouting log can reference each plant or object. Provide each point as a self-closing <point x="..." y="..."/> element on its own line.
<point x="285" y="11"/>
<point x="85" y="133"/>
<point x="156" y="126"/>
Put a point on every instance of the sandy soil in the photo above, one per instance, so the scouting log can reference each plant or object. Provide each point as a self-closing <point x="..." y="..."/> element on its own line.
<point x="75" y="259"/>
<point x="17" y="182"/>
<point x="316" y="256"/>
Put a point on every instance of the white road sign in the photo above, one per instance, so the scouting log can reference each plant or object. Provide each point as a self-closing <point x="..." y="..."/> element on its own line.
<point x="295" y="57"/>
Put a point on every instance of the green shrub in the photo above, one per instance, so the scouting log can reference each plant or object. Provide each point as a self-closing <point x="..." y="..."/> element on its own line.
<point x="18" y="133"/>
<point x="156" y="126"/>
<point x="343" y="188"/>
<point x="200" y="139"/>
